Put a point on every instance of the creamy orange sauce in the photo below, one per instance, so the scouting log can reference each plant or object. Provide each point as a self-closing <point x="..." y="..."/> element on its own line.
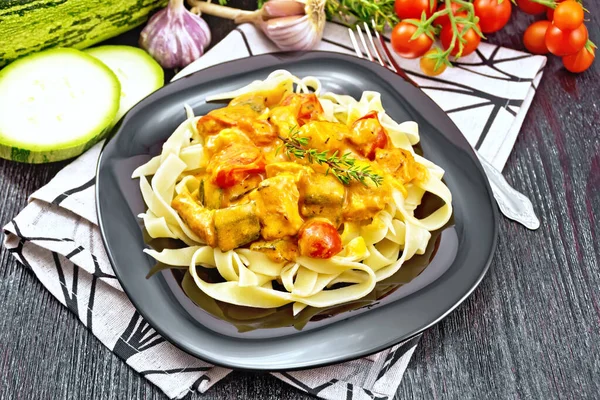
<point x="253" y="193"/>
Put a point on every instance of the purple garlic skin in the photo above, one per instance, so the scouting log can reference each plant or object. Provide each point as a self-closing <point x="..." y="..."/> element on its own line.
<point x="174" y="36"/>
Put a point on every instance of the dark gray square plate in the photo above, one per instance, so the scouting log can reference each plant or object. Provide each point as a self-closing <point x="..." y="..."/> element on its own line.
<point x="462" y="258"/>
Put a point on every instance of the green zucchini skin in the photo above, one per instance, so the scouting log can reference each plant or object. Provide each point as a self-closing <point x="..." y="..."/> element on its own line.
<point x="42" y="157"/>
<point x="28" y="26"/>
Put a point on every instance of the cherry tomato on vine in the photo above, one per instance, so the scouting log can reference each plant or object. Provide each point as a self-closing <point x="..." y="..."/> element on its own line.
<point x="428" y="65"/>
<point x="568" y="15"/>
<point x="472" y="40"/>
<point x="492" y="14"/>
<point x="563" y="43"/>
<point x="444" y="20"/>
<point x="535" y="37"/>
<point x="531" y="7"/>
<point x="413" y="8"/>
<point x="550" y="12"/>
<point x="402" y="43"/>
<point x="581" y="60"/>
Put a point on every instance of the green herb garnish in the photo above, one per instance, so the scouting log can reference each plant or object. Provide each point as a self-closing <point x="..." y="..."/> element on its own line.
<point x="344" y="168"/>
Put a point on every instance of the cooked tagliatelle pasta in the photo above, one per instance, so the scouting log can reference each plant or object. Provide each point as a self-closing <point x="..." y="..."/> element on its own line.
<point x="293" y="195"/>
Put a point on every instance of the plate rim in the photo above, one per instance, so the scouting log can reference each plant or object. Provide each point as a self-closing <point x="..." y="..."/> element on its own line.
<point x="277" y="59"/>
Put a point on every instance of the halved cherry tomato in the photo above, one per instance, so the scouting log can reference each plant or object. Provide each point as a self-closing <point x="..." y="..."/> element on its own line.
<point x="568" y="15"/>
<point x="368" y="135"/>
<point x="216" y="120"/>
<point x="402" y="43"/>
<point x="493" y="15"/>
<point x="563" y="43"/>
<point x="531" y="7"/>
<point x="535" y="37"/>
<point x="308" y="106"/>
<point x="472" y="40"/>
<point x="413" y="8"/>
<point x="318" y="238"/>
<point x="444" y="19"/>
<point x="234" y="163"/>
<point x="428" y="65"/>
<point x="581" y="60"/>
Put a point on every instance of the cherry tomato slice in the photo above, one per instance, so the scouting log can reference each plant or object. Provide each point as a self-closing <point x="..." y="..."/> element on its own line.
<point x="318" y="238"/>
<point x="235" y="163"/>
<point x="308" y="106"/>
<point x="368" y="135"/>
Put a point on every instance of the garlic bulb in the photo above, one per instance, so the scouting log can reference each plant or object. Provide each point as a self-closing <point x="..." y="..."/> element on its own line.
<point x="290" y="24"/>
<point x="174" y="36"/>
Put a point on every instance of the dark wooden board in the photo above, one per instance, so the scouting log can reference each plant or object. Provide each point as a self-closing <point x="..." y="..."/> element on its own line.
<point x="530" y="331"/>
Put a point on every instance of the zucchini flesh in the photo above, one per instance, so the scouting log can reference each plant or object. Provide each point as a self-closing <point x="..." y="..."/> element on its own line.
<point x="236" y="226"/>
<point x="137" y="71"/>
<point x="54" y="105"/>
<point x="28" y="26"/>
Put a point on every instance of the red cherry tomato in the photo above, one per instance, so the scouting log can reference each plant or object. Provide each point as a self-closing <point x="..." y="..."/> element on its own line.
<point x="568" y="15"/>
<point x="318" y="238"/>
<point x="550" y="12"/>
<point x="413" y="9"/>
<point x="307" y="106"/>
<point x="535" y="37"/>
<point x="581" y="60"/>
<point x="563" y="43"/>
<point x="235" y="163"/>
<point x="493" y="16"/>
<point x="443" y="20"/>
<point x="402" y="43"/>
<point x="472" y="40"/>
<point x="531" y="7"/>
<point x="368" y="135"/>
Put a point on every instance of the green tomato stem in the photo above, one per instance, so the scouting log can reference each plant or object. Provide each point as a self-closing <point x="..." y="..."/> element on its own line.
<point x="455" y="32"/>
<point x="548" y="3"/>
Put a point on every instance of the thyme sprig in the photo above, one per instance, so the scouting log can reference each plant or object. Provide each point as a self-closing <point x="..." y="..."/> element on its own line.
<point x="344" y="167"/>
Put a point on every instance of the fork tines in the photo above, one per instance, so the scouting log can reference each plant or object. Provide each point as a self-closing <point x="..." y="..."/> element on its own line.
<point x="377" y="47"/>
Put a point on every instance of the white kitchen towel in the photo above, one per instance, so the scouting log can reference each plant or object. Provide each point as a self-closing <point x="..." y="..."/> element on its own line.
<point x="56" y="236"/>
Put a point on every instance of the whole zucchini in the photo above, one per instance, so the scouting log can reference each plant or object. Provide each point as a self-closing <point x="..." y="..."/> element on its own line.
<point x="27" y="26"/>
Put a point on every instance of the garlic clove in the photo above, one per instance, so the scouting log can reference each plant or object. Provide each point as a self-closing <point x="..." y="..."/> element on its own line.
<point x="174" y="36"/>
<point x="301" y="40"/>
<point x="282" y="34"/>
<point x="289" y="24"/>
<point x="283" y="8"/>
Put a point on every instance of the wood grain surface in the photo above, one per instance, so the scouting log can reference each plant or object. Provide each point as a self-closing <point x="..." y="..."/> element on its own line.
<point x="530" y="331"/>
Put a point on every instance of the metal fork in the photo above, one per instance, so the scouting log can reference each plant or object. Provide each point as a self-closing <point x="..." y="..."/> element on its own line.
<point x="514" y="205"/>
